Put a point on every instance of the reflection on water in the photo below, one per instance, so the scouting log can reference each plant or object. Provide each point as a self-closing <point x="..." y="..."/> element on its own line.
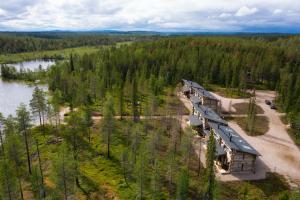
<point x="33" y="64"/>
<point x="13" y="93"/>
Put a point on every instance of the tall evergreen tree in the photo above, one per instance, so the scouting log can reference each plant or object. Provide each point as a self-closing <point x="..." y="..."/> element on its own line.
<point x="23" y="118"/>
<point x="182" y="184"/>
<point x="38" y="104"/>
<point x="108" y="123"/>
<point x="8" y="181"/>
<point x="209" y="171"/>
<point x="63" y="173"/>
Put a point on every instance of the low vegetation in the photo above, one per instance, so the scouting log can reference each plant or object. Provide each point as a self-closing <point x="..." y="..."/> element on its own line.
<point x="261" y="125"/>
<point x="261" y="189"/>
<point x="234" y="93"/>
<point x="242" y="109"/>
<point x="293" y="131"/>
<point x="49" y="54"/>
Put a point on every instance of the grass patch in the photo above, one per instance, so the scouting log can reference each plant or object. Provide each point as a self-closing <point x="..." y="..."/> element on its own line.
<point x="260" y="128"/>
<point x="294" y="133"/>
<point x="242" y="108"/>
<point x="61" y="54"/>
<point x="261" y="189"/>
<point x="233" y="93"/>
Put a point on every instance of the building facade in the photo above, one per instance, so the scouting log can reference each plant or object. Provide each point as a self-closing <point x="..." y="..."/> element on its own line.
<point x="233" y="153"/>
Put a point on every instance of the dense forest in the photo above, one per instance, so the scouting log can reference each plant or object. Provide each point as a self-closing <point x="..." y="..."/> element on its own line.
<point x="120" y="139"/>
<point x="232" y="62"/>
<point x="37" y="41"/>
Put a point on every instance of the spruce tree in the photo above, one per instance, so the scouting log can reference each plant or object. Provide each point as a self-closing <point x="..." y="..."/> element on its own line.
<point x="209" y="171"/>
<point x="23" y="118"/>
<point x="8" y="181"/>
<point x="108" y="122"/>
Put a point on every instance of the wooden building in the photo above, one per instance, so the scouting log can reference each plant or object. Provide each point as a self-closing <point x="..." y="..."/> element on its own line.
<point x="189" y="87"/>
<point x="199" y="95"/>
<point x="205" y="115"/>
<point x="234" y="154"/>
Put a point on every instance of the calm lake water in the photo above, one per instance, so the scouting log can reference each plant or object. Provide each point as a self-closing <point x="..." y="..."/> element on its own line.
<point x="33" y="64"/>
<point x="13" y="93"/>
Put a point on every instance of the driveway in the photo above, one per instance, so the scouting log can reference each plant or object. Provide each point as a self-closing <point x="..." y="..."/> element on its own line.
<point x="278" y="151"/>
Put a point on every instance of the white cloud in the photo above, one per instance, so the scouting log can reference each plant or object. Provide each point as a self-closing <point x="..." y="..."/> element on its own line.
<point x="2" y="12"/>
<point x="277" y="11"/>
<point x="244" y="11"/>
<point x="208" y="15"/>
<point x="224" y="15"/>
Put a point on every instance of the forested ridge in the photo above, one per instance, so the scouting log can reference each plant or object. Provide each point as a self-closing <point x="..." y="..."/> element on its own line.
<point x="232" y="62"/>
<point x="37" y="41"/>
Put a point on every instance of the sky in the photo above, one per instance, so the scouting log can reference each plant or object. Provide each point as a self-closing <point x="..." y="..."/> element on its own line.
<point x="151" y="15"/>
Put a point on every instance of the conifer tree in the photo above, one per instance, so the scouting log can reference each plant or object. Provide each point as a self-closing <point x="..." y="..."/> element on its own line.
<point x="1" y="132"/>
<point x="108" y="123"/>
<point x="251" y="115"/>
<point x="209" y="171"/>
<point x="182" y="184"/>
<point x="8" y="181"/>
<point x="63" y="173"/>
<point x="23" y="118"/>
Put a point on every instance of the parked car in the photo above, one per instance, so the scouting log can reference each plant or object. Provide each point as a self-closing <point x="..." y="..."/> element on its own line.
<point x="268" y="102"/>
<point x="272" y="106"/>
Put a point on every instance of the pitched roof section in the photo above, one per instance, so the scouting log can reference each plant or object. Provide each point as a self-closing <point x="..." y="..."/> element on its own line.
<point x="192" y="84"/>
<point x="194" y="120"/>
<point x="232" y="138"/>
<point x="205" y="93"/>
<point x="209" y="114"/>
<point x="195" y="99"/>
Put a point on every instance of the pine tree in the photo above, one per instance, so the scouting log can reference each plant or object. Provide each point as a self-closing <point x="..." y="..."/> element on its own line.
<point x="121" y="101"/>
<point x="23" y="118"/>
<point x="88" y="121"/>
<point x="134" y="100"/>
<point x="209" y="171"/>
<point x="251" y="116"/>
<point x="1" y="132"/>
<point x="108" y="123"/>
<point x="63" y="173"/>
<point x="8" y="181"/>
<point x="183" y="184"/>
<point x="38" y="104"/>
<point x="14" y="152"/>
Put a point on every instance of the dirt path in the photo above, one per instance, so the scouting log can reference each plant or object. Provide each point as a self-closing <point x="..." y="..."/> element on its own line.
<point x="278" y="151"/>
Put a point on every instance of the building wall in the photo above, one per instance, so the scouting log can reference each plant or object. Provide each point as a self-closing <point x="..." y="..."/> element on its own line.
<point x="241" y="161"/>
<point x="211" y="103"/>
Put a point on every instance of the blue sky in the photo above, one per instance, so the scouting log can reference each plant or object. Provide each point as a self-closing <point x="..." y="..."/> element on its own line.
<point x="151" y="15"/>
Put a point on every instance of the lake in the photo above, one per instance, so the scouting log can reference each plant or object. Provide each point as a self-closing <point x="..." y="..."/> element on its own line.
<point x="13" y="93"/>
<point x="33" y="64"/>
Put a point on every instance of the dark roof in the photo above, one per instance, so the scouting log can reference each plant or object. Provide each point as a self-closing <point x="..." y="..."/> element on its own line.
<point x="209" y="114"/>
<point x="194" y="120"/>
<point x="219" y="150"/>
<point x="232" y="138"/>
<point x="205" y="93"/>
<point x="195" y="99"/>
<point x="192" y="84"/>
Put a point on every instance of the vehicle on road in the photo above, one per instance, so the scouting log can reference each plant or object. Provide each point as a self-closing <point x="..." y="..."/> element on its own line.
<point x="268" y="102"/>
<point x="272" y="106"/>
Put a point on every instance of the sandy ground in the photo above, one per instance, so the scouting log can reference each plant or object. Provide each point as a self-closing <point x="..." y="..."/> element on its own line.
<point x="278" y="151"/>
